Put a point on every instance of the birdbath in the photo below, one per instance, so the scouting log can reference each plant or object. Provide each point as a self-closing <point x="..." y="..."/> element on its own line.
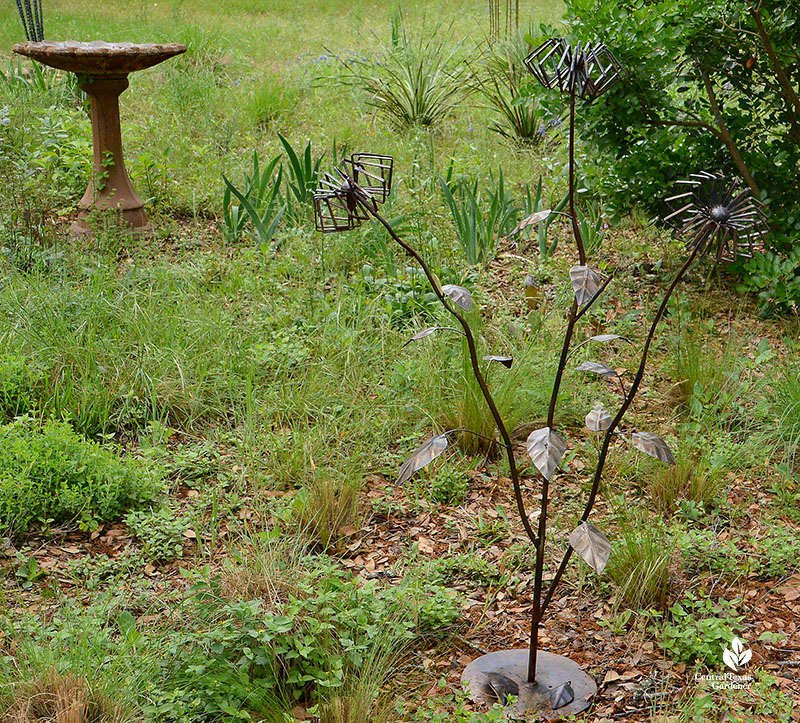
<point x="102" y="70"/>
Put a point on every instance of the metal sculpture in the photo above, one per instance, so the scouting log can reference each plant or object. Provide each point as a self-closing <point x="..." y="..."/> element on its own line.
<point x="30" y="12"/>
<point x="719" y="217"/>
<point x="717" y="214"/>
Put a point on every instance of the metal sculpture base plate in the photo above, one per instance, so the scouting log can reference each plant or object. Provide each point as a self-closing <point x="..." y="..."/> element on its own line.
<point x="551" y="671"/>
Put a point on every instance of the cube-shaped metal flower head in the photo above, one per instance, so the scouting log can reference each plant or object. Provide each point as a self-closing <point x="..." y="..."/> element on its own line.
<point x="372" y="173"/>
<point x="716" y="216"/>
<point x="345" y="199"/>
<point x="588" y="71"/>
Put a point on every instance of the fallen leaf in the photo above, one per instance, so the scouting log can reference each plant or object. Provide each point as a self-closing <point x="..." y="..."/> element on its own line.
<point x="424" y="546"/>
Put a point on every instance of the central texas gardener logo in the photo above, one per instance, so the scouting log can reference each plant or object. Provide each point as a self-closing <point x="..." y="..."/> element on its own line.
<point x="737" y="656"/>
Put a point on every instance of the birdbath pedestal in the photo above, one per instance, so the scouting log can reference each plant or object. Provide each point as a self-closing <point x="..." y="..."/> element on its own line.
<point x="103" y="69"/>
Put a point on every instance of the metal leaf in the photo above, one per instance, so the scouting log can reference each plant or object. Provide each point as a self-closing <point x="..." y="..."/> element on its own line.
<point x="562" y="695"/>
<point x="532" y="220"/>
<point x="506" y="361"/>
<point x="608" y="337"/>
<point x="421" y="457"/>
<point x="422" y="334"/>
<point x="597" y="368"/>
<point x="598" y="420"/>
<point x="592" y="545"/>
<point x="460" y="296"/>
<point x="653" y="445"/>
<point x="585" y="283"/>
<point x="545" y="448"/>
<point x="533" y="292"/>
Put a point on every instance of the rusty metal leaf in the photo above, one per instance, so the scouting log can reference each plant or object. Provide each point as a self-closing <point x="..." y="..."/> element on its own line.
<point x="532" y="220"/>
<point x="460" y="296"/>
<point x="653" y="445"/>
<point x="585" y="283"/>
<point x="597" y="368"/>
<point x="592" y="545"/>
<point x="562" y="695"/>
<point x="533" y="292"/>
<point x="506" y="361"/>
<point x="608" y="337"/>
<point x="422" y="334"/>
<point x="598" y="420"/>
<point x="545" y="448"/>
<point x="421" y="457"/>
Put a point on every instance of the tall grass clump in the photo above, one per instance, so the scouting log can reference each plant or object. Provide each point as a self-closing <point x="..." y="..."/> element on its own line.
<point x="329" y="506"/>
<point x="413" y="81"/>
<point x="639" y="565"/>
<point x="63" y="699"/>
<point x="271" y="99"/>
<point x="693" y="477"/>
<point x="115" y="354"/>
<point x="782" y="408"/>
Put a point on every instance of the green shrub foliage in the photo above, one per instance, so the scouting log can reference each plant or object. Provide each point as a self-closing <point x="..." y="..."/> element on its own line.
<point x="51" y="474"/>
<point x="708" y="84"/>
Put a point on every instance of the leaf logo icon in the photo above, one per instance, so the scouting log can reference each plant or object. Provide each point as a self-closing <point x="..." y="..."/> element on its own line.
<point x="737" y="656"/>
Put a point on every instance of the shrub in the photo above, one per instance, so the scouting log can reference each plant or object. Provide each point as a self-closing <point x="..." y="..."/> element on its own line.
<point x="699" y="630"/>
<point x="447" y="486"/>
<point x="777" y="553"/>
<point x="775" y="279"/>
<point x="160" y="532"/>
<point x="305" y="648"/>
<point x="51" y="474"/>
<point x="464" y="567"/>
<point x="712" y="95"/>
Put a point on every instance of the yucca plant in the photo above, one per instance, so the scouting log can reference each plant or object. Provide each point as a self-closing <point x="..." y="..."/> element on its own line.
<point x="260" y="201"/>
<point x="522" y="117"/>
<point x="412" y="81"/>
<point x="480" y="219"/>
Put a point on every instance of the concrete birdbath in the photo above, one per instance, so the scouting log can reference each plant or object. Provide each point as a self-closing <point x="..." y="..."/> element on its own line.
<point x="103" y="70"/>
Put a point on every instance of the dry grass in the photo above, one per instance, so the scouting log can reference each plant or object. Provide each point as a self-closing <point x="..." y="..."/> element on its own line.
<point x="690" y="478"/>
<point x="55" y="698"/>
<point x="330" y="510"/>
<point x="264" y="567"/>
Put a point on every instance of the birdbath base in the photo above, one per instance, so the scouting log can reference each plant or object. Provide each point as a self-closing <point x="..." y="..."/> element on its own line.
<point x="534" y="700"/>
<point x="103" y="70"/>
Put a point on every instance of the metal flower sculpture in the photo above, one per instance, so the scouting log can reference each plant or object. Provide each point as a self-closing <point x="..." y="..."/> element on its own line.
<point x="583" y="71"/>
<point x="717" y="217"/>
<point x="30" y="12"/>
<point x="543" y="683"/>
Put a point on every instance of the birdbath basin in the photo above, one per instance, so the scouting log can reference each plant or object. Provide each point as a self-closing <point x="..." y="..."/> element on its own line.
<point x="103" y="69"/>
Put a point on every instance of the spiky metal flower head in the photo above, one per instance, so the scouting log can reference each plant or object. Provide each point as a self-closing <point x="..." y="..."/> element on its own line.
<point x="718" y="216"/>
<point x="587" y="70"/>
<point x="343" y="198"/>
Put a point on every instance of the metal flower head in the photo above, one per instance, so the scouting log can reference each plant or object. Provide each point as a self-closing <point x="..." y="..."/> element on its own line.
<point x="588" y="70"/>
<point x="718" y="217"/>
<point x="343" y="197"/>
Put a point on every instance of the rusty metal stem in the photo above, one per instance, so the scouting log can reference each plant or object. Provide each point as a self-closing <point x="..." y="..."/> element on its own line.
<point x="601" y="460"/>
<point x="536" y="615"/>
<point x="476" y="370"/>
